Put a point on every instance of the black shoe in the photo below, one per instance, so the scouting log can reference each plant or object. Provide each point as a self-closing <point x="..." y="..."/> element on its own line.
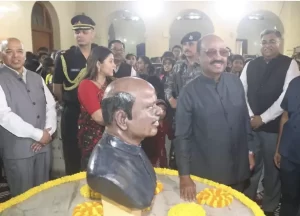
<point x="269" y="213"/>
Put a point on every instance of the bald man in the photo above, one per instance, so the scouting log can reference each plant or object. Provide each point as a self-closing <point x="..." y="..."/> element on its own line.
<point x="27" y="120"/>
<point x="118" y="167"/>
<point x="212" y="124"/>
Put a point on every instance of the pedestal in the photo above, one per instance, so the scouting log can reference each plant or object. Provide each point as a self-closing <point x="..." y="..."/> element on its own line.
<point x="112" y="208"/>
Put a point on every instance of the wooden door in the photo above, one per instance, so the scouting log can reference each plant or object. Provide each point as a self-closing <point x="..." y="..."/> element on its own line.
<point x="41" y="39"/>
<point x="41" y="26"/>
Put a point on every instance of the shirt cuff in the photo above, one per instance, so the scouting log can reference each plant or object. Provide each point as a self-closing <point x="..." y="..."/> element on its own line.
<point x="51" y="132"/>
<point x="37" y="134"/>
<point x="265" y="118"/>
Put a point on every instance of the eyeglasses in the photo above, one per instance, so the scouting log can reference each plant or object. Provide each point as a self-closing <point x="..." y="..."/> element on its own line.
<point x="214" y="52"/>
<point x="118" y="50"/>
<point x="271" y="42"/>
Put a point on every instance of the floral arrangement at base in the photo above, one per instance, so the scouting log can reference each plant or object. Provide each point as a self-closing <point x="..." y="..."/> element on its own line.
<point x="159" y="171"/>
<point x="214" y="197"/>
<point x="88" y="209"/>
<point x="184" y="209"/>
<point x="87" y="192"/>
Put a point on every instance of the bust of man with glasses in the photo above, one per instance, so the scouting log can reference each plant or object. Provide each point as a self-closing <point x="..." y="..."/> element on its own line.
<point x="122" y="68"/>
<point x="265" y="80"/>
<point x="212" y="124"/>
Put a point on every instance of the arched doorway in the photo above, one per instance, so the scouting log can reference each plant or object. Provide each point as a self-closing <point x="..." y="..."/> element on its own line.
<point x="128" y="28"/>
<point x="188" y="21"/>
<point x="41" y="26"/>
<point x="249" y="29"/>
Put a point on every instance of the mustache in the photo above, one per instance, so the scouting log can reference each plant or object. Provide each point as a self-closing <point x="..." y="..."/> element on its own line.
<point x="217" y="61"/>
<point x="187" y="50"/>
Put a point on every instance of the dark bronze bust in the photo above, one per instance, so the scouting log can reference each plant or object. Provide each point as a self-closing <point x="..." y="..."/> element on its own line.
<point x="118" y="167"/>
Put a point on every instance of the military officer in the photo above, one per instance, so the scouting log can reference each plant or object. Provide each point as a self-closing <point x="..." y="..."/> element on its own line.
<point x="69" y="70"/>
<point x="182" y="73"/>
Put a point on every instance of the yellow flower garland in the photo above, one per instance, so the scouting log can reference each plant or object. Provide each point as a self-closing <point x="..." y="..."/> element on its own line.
<point x="80" y="176"/>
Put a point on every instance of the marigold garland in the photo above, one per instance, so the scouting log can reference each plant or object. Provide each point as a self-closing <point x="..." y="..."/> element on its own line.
<point x="214" y="197"/>
<point x="184" y="209"/>
<point x="80" y="176"/>
<point x="87" y="192"/>
<point x="88" y="209"/>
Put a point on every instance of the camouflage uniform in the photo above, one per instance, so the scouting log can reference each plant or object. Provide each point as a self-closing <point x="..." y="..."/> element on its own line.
<point x="181" y="74"/>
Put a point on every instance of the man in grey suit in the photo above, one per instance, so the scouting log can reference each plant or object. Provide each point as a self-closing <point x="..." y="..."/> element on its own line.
<point x="27" y="120"/>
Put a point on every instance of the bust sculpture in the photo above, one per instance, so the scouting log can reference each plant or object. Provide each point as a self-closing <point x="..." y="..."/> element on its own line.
<point x="118" y="168"/>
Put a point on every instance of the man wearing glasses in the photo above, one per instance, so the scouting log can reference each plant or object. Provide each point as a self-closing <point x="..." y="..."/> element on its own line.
<point x="122" y="68"/>
<point x="212" y="124"/>
<point x="265" y="80"/>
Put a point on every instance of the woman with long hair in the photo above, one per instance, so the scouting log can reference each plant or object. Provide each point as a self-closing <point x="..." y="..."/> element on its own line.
<point x="144" y="67"/>
<point x="100" y="68"/>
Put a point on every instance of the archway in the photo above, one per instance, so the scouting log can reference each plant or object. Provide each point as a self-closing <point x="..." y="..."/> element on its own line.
<point x="128" y="28"/>
<point x="44" y="26"/>
<point x="188" y="21"/>
<point x="249" y="29"/>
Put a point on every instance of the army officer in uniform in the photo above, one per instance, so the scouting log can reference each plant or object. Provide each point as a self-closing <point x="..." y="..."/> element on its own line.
<point x="69" y="69"/>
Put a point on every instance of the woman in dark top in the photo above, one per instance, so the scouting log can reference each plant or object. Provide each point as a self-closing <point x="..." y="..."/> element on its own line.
<point x="100" y="68"/>
<point x="144" y="67"/>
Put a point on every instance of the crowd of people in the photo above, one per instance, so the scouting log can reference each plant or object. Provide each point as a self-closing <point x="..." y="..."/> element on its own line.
<point x="229" y="119"/>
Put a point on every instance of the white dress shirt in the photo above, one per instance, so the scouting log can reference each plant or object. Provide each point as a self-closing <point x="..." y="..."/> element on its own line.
<point x="275" y="110"/>
<point x="133" y="72"/>
<point x="17" y="126"/>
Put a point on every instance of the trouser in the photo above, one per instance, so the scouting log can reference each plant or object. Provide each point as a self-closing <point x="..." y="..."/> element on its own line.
<point x="69" y="130"/>
<point x="172" y="159"/>
<point x="85" y="161"/>
<point x="1" y="167"/>
<point x="24" y="174"/>
<point x="290" y="187"/>
<point x="241" y="186"/>
<point x="265" y="144"/>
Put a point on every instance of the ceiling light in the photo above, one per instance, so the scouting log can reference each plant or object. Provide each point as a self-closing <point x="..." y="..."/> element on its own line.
<point x="230" y="10"/>
<point x="149" y="9"/>
<point x="190" y="16"/>
<point x="256" y="17"/>
<point x="135" y="18"/>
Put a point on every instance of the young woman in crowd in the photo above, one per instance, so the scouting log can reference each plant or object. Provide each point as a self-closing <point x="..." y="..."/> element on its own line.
<point x="167" y="67"/>
<point x="100" y="68"/>
<point x="131" y="60"/>
<point x="144" y="67"/>
<point x="238" y="63"/>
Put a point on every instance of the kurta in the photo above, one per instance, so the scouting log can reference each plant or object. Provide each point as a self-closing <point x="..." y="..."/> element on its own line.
<point x="213" y="133"/>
